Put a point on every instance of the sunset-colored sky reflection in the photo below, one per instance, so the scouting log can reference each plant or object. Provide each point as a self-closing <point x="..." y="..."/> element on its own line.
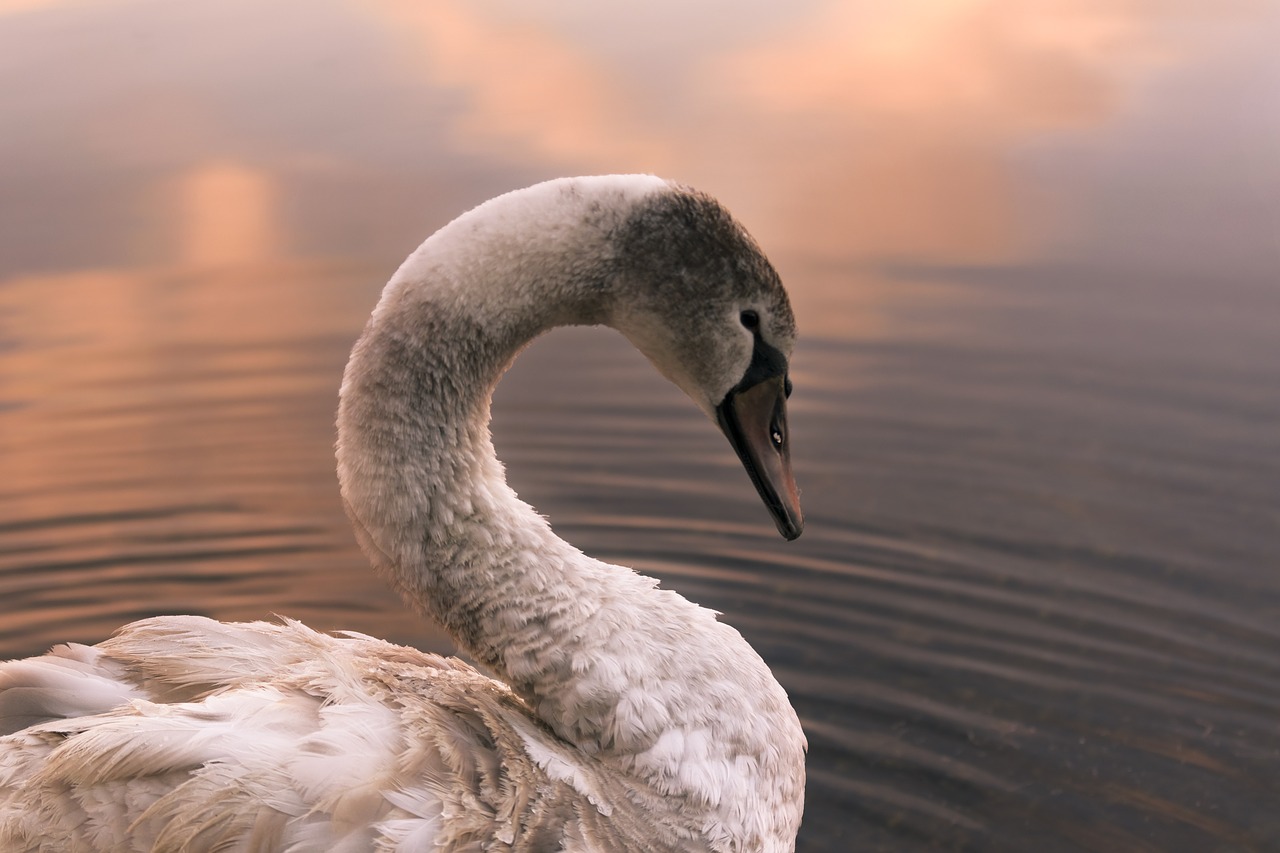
<point x="849" y="130"/>
<point x="934" y="132"/>
<point x="227" y="214"/>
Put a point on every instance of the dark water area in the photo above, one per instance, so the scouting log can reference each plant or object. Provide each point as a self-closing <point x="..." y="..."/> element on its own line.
<point x="1035" y="257"/>
<point x="1058" y="622"/>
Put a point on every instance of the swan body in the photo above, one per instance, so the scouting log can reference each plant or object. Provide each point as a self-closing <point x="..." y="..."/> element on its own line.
<point x="615" y="715"/>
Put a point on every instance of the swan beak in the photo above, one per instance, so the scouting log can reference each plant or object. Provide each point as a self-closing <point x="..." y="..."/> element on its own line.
<point x="754" y="419"/>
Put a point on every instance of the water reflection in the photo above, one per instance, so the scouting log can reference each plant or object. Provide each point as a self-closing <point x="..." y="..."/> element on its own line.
<point x="167" y="446"/>
<point x="1035" y="604"/>
<point x="227" y="214"/>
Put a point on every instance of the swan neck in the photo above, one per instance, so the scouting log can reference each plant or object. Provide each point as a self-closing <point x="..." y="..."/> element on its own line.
<point x="420" y="480"/>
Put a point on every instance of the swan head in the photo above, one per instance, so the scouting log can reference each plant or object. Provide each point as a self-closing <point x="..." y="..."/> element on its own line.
<point x="704" y="304"/>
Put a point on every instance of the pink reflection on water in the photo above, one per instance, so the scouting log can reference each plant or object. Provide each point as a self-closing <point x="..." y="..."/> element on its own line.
<point x="228" y="214"/>
<point x="167" y="446"/>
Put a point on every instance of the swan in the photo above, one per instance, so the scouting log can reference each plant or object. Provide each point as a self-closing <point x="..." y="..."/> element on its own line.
<point x="610" y="714"/>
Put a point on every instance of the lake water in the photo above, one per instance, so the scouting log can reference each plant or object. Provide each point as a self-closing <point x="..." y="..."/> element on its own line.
<point x="1035" y="256"/>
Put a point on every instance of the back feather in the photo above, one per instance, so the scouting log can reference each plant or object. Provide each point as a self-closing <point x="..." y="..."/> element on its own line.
<point x="173" y="736"/>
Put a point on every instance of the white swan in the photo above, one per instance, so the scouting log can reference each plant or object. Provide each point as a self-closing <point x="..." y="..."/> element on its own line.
<point x="620" y="716"/>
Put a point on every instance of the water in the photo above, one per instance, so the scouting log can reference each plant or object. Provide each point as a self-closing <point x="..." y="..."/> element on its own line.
<point x="1037" y="601"/>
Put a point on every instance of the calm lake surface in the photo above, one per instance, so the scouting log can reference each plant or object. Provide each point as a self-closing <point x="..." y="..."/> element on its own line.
<point x="1035" y="257"/>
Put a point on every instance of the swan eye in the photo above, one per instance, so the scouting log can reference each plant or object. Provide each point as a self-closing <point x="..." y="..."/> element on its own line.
<point x="786" y="387"/>
<point x="775" y="435"/>
<point x="750" y="319"/>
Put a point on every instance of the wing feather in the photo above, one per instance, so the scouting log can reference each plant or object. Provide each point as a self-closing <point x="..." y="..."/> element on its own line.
<point x="194" y="735"/>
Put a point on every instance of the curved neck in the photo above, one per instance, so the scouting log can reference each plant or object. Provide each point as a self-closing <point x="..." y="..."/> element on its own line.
<point x="606" y="659"/>
<point x="419" y="476"/>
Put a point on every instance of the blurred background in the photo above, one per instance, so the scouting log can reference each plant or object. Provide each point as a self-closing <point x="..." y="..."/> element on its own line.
<point x="1034" y="251"/>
